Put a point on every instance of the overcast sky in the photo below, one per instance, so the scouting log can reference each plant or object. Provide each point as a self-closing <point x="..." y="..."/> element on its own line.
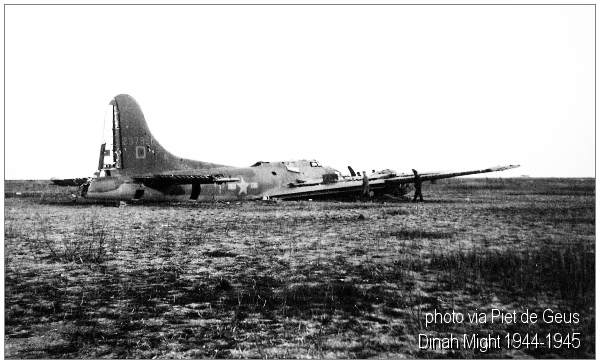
<point x="425" y="87"/>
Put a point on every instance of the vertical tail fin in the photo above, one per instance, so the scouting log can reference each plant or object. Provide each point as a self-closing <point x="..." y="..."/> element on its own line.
<point x="135" y="150"/>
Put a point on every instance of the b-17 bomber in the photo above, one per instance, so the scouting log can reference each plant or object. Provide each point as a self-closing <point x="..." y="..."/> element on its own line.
<point x="133" y="165"/>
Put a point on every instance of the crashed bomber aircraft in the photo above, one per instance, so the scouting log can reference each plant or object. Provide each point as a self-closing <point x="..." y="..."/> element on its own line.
<point x="134" y="166"/>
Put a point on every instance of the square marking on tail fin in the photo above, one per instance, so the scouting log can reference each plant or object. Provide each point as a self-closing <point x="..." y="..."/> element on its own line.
<point x="140" y="152"/>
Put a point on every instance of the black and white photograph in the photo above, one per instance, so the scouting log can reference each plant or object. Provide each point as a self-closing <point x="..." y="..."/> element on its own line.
<point x="299" y="181"/>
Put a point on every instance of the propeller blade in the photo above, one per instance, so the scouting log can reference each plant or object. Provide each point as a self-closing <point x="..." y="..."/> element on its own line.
<point x="352" y="173"/>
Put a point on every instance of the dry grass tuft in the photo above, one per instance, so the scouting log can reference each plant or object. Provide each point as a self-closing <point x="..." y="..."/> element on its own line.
<point x="292" y="279"/>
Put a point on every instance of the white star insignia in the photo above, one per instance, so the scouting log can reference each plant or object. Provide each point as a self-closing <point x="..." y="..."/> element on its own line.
<point x="243" y="185"/>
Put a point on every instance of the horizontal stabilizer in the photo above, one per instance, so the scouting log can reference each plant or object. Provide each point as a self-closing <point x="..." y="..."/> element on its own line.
<point x="75" y="182"/>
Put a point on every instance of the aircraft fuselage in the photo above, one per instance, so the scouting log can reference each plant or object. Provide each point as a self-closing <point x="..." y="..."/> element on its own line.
<point x="252" y="183"/>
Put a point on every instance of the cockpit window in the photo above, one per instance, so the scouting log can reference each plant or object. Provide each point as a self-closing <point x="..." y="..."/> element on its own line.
<point x="315" y="164"/>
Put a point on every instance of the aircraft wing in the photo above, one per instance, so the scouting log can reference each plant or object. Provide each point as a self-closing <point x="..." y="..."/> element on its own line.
<point x="162" y="180"/>
<point x="75" y="182"/>
<point x="433" y="176"/>
<point x="354" y="186"/>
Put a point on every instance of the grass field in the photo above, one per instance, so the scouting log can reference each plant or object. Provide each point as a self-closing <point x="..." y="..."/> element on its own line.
<point x="295" y="279"/>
